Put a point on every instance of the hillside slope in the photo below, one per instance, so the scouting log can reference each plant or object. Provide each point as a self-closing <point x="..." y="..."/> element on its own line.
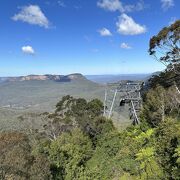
<point x="30" y="97"/>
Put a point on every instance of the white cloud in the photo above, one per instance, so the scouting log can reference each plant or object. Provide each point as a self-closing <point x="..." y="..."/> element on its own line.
<point x="117" y="5"/>
<point x="166" y="4"/>
<point x="105" y="32"/>
<point x="125" y="46"/>
<point x="32" y="14"/>
<point x="127" y="26"/>
<point x="111" y="5"/>
<point x="28" y="50"/>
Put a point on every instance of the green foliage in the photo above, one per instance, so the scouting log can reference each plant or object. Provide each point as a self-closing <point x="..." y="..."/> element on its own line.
<point x="69" y="154"/>
<point x="70" y="106"/>
<point x="104" y="163"/>
<point x="176" y="173"/>
<point x="165" y="45"/>
<point x="144" y="137"/>
<point x="168" y="137"/>
<point x="160" y="103"/>
<point x="86" y="146"/>
<point x="145" y="156"/>
<point x="95" y="107"/>
<point x="177" y="154"/>
<point x="71" y="112"/>
<point x="149" y="168"/>
<point x="165" y="79"/>
<point x="154" y="106"/>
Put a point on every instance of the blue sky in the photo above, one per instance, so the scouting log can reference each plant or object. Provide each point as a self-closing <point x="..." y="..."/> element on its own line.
<point x="85" y="36"/>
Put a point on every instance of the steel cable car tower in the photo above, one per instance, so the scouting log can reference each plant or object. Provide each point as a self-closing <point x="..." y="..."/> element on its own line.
<point x="129" y="93"/>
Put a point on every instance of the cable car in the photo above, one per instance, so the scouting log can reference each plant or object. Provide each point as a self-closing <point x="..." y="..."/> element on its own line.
<point x="122" y="102"/>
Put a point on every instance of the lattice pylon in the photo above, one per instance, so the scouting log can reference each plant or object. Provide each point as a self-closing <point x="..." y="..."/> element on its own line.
<point x="130" y="93"/>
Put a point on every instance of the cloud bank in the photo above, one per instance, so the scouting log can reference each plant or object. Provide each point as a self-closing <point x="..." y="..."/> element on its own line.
<point x="32" y="14"/>
<point x="127" y="26"/>
<point x="117" y="5"/>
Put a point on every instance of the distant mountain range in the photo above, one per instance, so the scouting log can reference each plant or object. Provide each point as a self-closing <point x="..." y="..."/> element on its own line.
<point x="115" y="78"/>
<point x="102" y="79"/>
<point x="58" y="78"/>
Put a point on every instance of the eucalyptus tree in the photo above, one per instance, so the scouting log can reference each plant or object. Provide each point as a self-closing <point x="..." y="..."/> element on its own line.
<point x="165" y="47"/>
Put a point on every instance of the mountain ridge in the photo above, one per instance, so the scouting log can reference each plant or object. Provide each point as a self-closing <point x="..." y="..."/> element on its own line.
<point x="33" y="77"/>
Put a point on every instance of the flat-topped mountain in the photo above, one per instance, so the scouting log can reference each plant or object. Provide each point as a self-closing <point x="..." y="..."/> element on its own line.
<point x="60" y="78"/>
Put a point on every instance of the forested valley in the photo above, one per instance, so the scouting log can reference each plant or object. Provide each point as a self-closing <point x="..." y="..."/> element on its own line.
<point x="77" y="142"/>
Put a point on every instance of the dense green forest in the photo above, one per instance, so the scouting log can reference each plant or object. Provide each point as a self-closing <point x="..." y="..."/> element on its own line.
<point x="78" y="143"/>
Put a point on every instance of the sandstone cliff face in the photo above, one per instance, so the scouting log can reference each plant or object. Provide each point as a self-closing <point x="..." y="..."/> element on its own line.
<point x="28" y="78"/>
